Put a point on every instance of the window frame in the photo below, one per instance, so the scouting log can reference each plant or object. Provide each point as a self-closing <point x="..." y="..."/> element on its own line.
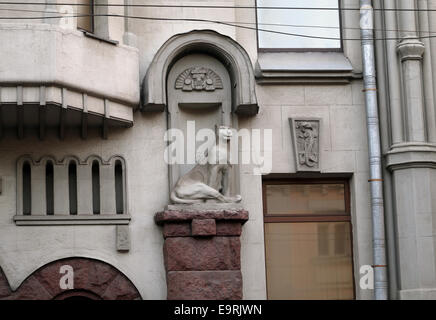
<point x="298" y="218"/>
<point x="341" y="41"/>
<point x="343" y="216"/>
<point x="92" y="31"/>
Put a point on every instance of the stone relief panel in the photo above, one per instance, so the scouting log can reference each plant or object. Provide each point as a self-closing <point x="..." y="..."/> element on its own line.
<point x="198" y="79"/>
<point x="305" y="133"/>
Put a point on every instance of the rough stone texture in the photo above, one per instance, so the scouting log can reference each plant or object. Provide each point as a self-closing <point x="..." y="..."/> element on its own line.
<point x="204" y="285"/>
<point x="223" y="228"/>
<point x="188" y="213"/>
<point x="203" y="227"/>
<point x="95" y="277"/>
<point x="119" y="289"/>
<point x="228" y="228"/>
<point x="4" y="285"/>
<point x="216" y="253"/>
<point x="176" y="230"/>
<point x="31" y="289"/>
<point x="204" y="260"/>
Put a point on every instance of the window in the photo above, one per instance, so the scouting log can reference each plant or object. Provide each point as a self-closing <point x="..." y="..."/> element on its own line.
<point x="49" y="187"/>
<point x="308" y="239"/>
<point x="72" y="187"/>
<point x="119" y="193"/>
<point x="71" y="191"/>
<point x="85" y="19"/>
<point x="312" y="20"/>
<point x="27" y="189"/>
<point x="95" y="187"/>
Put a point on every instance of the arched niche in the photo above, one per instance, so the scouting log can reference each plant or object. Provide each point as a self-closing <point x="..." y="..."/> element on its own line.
<point x="199" y="97"/>
<point x="223" y="48"/>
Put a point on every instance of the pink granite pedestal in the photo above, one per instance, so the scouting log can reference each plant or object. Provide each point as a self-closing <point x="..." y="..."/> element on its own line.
<point x="202" y="251"/>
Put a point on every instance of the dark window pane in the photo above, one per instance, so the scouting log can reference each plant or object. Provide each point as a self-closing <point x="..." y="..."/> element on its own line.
<point x="72" y="186"/>
<point x="49" y="187"/>
<point x="96" y="187"/>
<point x="305" y="199"/>
<point x="27" y="189"/>
<point x="119" y="192"/>
<point x="84" y="15"/>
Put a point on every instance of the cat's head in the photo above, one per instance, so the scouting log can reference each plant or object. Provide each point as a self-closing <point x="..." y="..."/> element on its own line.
<point x="224" y="132"/>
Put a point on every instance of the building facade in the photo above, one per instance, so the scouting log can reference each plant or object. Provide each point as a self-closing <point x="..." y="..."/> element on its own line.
<point x="89" y="91"/>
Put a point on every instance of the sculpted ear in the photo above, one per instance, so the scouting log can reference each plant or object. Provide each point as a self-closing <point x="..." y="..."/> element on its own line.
<point x="201" y="157"/>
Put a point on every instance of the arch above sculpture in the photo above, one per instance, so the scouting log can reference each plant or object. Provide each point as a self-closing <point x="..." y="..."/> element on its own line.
<point x="225" y="49"/>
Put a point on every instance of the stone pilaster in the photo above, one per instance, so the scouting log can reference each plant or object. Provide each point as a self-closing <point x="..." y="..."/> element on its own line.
<point x="413" y="164"/>
<point x="202" y="251"/>
<point x="410" y="51"/>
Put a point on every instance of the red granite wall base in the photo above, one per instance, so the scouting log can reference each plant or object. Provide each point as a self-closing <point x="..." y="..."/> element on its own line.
<point x="204" y="285"/>
<point x="202" y="251"/>
<point x="92" y="279"/>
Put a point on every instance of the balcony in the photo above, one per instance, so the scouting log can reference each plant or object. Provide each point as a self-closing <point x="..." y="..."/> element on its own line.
<point x="52" y="77"/>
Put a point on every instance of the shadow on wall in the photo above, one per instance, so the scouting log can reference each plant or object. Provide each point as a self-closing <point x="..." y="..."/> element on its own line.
<point x="90" y="279"/>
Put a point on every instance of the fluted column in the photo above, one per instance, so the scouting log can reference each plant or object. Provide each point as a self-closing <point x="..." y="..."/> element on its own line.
<point x="392" y="73"/>
<point x="427" y="63"/>
<point x="410" y="50"/>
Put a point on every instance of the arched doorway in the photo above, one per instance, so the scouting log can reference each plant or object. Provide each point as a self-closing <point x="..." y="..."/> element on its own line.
<point x="88" y="279"/>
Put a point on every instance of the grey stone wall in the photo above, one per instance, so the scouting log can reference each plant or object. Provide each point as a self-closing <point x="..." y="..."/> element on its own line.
<point x="343" y="149"/>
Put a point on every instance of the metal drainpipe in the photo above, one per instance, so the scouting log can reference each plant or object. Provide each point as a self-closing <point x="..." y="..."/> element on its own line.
<point x="375" y="179"/>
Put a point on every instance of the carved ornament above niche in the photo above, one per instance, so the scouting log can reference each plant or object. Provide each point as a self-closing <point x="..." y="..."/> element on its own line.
<point x="198" y="79"/>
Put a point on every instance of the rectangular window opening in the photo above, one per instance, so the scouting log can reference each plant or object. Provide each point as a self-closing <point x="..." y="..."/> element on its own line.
<point x="72" y="187"/>
<point x="49" y="187"/>
<point x="299" y="25"/>
<point x="308" y="242"/>
<point x="95" y="187"/>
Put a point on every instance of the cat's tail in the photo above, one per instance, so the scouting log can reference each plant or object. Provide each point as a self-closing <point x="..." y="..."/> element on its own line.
<point x="175" y="199"/>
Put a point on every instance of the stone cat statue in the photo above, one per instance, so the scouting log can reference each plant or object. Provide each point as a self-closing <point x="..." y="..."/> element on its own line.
<point x="204" y="181"/>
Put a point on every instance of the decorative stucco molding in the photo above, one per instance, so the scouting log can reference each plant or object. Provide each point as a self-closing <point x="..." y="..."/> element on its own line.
<point x="410" y="49"/>
<point x="198" y="79"/>
<point x="225" y="49"/>
<point x="305" y="133"/>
